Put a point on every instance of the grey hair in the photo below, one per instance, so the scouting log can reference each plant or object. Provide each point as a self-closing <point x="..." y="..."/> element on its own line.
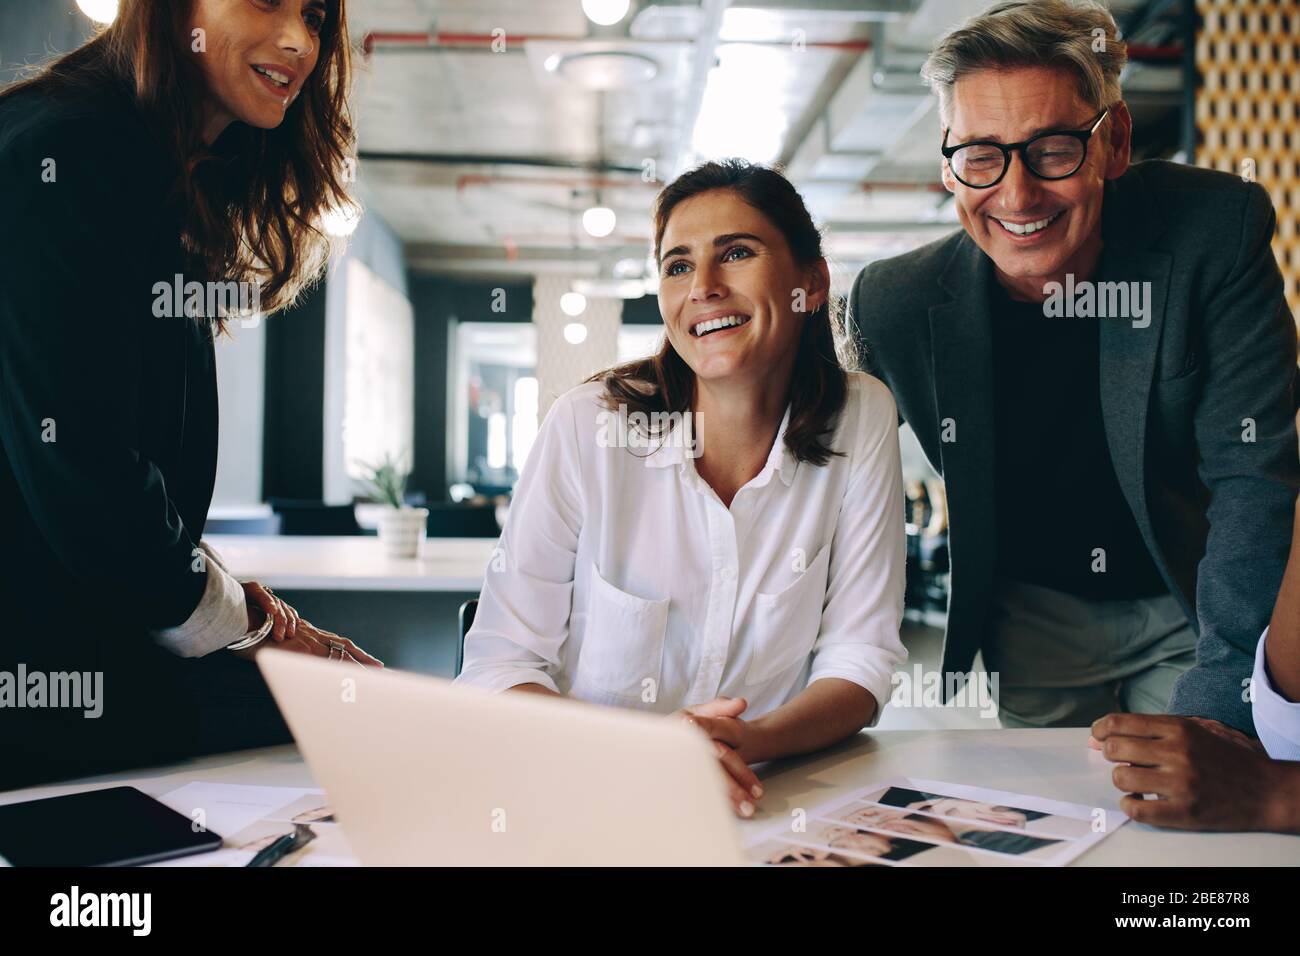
<point x="1077" y="35"/>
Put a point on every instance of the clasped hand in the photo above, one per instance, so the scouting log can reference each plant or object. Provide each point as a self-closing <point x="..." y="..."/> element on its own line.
<point x="290" y="632"/>
<point x="732" y="737"/>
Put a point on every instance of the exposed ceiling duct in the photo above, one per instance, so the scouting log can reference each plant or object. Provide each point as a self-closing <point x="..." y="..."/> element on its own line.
<point x="487" y="127"/>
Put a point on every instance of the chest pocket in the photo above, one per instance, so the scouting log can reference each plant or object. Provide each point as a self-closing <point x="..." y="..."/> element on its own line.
<point x="623" y="644"/>
<point x="786" y="623"/>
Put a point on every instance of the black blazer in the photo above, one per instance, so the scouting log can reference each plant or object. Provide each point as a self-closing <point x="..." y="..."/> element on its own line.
<point x="1215" y="511"/>
<point x="108" y="435"/>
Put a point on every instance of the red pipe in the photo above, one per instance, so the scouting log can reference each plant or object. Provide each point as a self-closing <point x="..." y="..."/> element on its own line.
<point x="910" y="187"/>
<point x="1144" y="53"/>
<point x="452" y="41"/>
<point x="478" y="179"/>
<point x="461" y="41"/>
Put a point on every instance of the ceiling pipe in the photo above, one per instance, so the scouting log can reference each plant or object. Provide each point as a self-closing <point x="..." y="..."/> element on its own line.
<point x="472" y="41"/>
<point x="703" y="58"/>
<point x="483" y="159"/>
<point x="426" y="40"/>
<point x="593" y="182"/>
<point x="1171" y="54"/>
<point x="921" y="187"/>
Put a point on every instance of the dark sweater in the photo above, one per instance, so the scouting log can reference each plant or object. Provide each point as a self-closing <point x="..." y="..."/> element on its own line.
<point x="1057" y="496"/>
<point x="97" y="527"/>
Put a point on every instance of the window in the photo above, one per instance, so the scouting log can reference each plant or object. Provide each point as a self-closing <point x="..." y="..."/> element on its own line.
<point x="496" y="403"/>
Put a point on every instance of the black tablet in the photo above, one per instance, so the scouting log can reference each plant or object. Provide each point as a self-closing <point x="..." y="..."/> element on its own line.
<point x="119" y="826"/>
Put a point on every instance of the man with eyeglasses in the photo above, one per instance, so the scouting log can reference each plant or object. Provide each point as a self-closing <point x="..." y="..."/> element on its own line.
<point x="1101" y="365"/>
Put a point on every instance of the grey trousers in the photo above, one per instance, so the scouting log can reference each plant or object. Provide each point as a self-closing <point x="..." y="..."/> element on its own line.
<point x="1063" y="661"/>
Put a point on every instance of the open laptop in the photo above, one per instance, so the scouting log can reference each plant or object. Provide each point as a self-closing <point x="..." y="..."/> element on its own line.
<point x="421" y="772"/>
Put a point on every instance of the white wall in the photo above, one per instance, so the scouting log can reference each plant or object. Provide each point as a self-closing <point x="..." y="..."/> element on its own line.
<point x="377" y="247"/>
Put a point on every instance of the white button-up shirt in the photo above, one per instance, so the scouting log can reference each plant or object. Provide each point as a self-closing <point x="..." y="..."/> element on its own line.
<point x="1277" y="720"/>
<point x="621" y="578"/>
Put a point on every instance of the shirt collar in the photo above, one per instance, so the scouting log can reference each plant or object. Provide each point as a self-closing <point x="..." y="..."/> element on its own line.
<point x="781" y="459"/>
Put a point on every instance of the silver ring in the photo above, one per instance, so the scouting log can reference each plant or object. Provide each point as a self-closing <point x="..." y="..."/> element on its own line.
<point x="338" y="646"/>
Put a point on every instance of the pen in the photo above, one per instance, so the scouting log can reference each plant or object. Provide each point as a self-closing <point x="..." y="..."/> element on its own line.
<point x="271" y="855"/>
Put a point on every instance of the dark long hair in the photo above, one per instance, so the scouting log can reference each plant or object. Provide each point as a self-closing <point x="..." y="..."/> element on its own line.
<point x="252" y="202"/>
<point x="818" y="387"/>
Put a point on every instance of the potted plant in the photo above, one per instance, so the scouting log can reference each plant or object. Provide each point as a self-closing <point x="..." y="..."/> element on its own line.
<point x="401" y="527"/>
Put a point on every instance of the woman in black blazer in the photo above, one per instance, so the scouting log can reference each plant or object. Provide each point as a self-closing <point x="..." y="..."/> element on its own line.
<point x="189" y="142"/>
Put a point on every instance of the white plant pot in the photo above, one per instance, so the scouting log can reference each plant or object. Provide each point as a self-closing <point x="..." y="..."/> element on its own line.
<point x="401" y="530"/>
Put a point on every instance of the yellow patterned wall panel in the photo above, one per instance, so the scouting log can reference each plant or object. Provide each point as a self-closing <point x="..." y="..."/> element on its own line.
<point x="1248" y="108"/>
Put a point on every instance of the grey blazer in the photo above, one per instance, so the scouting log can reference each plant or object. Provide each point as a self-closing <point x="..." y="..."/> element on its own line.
<point x="1214" y="509"/>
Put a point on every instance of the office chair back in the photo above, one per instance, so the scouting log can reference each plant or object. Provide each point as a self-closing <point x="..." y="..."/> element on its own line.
<point x="267" y="524"/>
<point x="314" y="517"/>
<point x="463" y="521"/>
<point x="466" y="617"/>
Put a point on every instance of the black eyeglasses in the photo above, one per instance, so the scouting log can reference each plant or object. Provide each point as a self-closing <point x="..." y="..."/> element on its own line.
<point x="1056" y="154"/>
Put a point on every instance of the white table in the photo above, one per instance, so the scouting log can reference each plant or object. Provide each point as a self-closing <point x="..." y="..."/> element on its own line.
<point x="1049" y="763"/>
<point x="354" y="563"/>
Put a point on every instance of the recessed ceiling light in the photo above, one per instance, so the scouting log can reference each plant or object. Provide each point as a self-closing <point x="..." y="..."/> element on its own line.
<point x="599" y="221"/>
<point x="573" y="303"/>
<point x="606" y="69"/>
<point x="605" y="12"/>
<point x="575" y="333"/>
<point x="101" y="11"/>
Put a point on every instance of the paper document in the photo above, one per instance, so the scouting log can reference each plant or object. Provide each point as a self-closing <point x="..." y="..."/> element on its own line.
<point x="909" y="822"/>
<point x="251" y="818"/>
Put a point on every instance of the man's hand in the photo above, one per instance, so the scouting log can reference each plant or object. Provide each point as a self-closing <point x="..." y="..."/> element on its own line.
<point x="1203" y="775"/>
<point x="720" y="720"/>
<point x="1231" y="734"/>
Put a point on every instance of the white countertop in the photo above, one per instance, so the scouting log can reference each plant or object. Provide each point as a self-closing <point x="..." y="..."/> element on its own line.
<point x="1049" y="763"/>
<point x="353" y="563"/>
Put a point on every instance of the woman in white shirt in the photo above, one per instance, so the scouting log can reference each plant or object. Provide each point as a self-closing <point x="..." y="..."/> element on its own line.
<point x="716" y="530"/>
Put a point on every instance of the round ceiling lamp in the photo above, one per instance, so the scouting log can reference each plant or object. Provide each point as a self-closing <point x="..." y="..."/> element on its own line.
<point x="573" y="303"/>
<point x="604" y="69"/>
<point x="599" y="221"/>
<point x="605" y="13"/>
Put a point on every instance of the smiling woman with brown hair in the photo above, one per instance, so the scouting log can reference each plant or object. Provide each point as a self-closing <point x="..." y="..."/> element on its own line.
<point x="254" y="168"/>
<point x="757" y="570"/>
<point x="196" y="142"/>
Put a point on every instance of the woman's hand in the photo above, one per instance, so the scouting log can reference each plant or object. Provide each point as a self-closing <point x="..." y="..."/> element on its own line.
<point x="720" y="720"/>
<point x="285" y="617"/>
<point x="310" y="639"/>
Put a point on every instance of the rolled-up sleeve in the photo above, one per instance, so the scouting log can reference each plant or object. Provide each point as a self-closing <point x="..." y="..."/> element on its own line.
<point x="1277" y="720"/>
<point x="522" y="619"/>
<point x="221" y="617"/>
<point x="859" y="639"/>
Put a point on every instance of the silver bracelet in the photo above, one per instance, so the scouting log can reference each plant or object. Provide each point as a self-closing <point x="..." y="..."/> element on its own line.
<point x="254" y="638"/>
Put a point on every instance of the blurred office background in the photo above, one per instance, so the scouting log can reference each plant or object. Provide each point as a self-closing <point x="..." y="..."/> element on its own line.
<point x="509" y="152"/>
